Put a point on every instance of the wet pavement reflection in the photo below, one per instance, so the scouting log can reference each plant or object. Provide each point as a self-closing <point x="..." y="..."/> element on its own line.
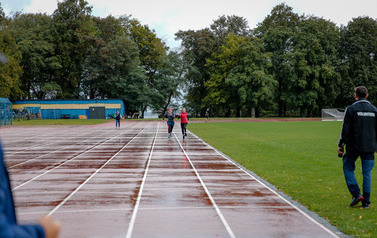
<point x="91" y="177"/>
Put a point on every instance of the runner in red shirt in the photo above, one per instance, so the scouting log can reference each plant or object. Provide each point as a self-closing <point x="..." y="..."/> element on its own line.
<point x="184" y="121"/>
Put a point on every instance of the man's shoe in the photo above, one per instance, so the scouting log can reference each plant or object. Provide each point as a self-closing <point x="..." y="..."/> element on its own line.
<point x="356" y="200"/>
<point x="365" y="205"/>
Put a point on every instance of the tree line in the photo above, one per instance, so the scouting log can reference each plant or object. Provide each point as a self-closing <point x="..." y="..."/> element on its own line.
<point x="74" y="55"/>
<point x="288" y="65"/>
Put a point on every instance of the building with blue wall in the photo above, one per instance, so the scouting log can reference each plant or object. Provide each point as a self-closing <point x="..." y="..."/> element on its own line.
<point x="74" y="109"/>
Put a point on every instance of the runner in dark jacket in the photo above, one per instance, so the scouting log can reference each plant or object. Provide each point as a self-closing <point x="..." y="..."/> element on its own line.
<point x="117" y="119"/>
<point x="170" y="115"/>
<point x="360" y="138"/>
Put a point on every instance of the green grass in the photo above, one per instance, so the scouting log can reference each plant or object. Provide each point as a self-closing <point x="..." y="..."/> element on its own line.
<point x="60" y="122"/>
<point x="300" y="159"/>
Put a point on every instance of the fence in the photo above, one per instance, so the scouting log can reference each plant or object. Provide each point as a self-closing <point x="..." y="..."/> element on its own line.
<point x="6" y="114"/>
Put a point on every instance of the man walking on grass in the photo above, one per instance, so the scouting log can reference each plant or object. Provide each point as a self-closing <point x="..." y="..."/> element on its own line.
<point x="359" y="136"/>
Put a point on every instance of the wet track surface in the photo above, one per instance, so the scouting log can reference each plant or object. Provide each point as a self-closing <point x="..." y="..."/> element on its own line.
<point x="99" y="181"/>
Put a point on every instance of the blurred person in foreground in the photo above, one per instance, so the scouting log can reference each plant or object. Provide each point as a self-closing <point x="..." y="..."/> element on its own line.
<point x="9" y="228"/>
<point x="8" y="221"/>
<point x="359" y="136"/>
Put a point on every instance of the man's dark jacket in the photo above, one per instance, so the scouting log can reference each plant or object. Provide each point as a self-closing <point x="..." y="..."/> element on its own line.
<point x="359" y="127"/>
<point x="8" y="223"/>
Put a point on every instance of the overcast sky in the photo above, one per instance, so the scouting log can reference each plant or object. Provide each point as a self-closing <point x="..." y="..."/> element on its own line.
<point x="166" y="17"/>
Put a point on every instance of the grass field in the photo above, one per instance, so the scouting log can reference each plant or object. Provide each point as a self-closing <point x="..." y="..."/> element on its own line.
<point x="300" y="159"/>
<point x="61" y="122"/>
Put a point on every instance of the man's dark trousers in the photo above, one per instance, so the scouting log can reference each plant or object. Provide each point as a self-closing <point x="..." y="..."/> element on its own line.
<point x="367" y="162"/>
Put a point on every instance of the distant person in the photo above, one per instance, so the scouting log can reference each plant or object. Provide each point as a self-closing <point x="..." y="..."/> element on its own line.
<point x="359" y="136"/>
<point x="117" y="119"/>
<point x="207" y="116"/>
<point x="184" y="121"/>
<point x="170" y="115"/>
<point x="8" y="222"/>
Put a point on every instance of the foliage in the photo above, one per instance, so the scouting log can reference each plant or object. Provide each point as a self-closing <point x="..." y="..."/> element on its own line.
<point x="72" y="24"/>
<point x="9" y="71"/>
<point x="167" y="83"/>
<point x="277" y="31"/>
<point x="34" y="38"/>
<point x="314" y="65"/>
<point x="239" y="75"/>
<point x="112" y="72"/>
<point x="72" y="54"/>
<point x="289" y="65"/>
<point x="197" y="48"/>
<point x="358" y="50"/>
<point x="299" y="69"/>
<point x="153" y="59"/>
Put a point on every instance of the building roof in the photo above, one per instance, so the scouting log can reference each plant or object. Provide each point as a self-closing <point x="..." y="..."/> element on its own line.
<point x="69" y="101"/>
<point x="5" y="100"/>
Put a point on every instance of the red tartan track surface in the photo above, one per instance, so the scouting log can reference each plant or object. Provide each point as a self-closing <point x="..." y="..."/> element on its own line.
<point x="99" y="181"/>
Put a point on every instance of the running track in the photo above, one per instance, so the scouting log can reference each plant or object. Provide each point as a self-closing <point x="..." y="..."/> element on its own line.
<point x="135" y="182"/>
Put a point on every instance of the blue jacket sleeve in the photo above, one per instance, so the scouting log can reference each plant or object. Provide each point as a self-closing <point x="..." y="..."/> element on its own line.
<point x="8" y="224"/>
<point x="10" y="229"/>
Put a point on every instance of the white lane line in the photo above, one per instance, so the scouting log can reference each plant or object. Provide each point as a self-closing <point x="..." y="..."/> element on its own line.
<point x="22" y="150"/>
<point x="49" y="153"/>
<point x="219" y="213"/>
<point x="67" y="161"/>
<point x="273" y="191"/>
<point x="134" y="213"/>
<point x="91" y="176"/>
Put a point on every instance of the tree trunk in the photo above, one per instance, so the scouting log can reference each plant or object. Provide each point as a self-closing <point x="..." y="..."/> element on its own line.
<point x="238" y="111"/>
<point x="302" y="111"/>
<point x="143" y="110"/>
<point x="253" y="112"/>
<point x="227" y="113"/>
<point x="167" y="104"/>
<point x="91" y="93"/>
<point x="280" y="103"/>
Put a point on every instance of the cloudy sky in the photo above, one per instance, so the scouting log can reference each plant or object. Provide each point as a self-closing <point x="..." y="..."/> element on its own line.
<point x="166" y="17"/>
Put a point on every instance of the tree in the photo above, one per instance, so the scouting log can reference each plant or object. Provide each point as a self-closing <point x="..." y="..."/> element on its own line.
<point x="277" y="31"/>
<point x="112" y="71"/>
<point x="358" y="50"/>
<point x="152" y="53"/>
<point x="239" y="76"/>
<point x="11" y="70"/>
<point x="226" y="25"/>
<point x="168" y="82"/>
<point x="197" y="48"/>
<point x="51" y="90"/>
<point x="39" y="62"/>
<point x="219" y="66"/>
<point x="314" y="62"/>
<point x="72" y="27"/>
<point x="96" y="73"/>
